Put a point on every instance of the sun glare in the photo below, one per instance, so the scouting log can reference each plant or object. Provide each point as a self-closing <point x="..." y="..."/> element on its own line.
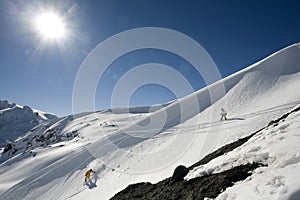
<point x="51" y="26"/>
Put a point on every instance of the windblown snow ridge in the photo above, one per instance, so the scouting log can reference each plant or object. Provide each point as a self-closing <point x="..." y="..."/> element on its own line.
<point x="262" y="76"/>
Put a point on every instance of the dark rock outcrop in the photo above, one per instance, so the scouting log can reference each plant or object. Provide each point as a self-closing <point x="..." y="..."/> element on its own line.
<point x="179" y="173"/>
<point x="198" y="188"/>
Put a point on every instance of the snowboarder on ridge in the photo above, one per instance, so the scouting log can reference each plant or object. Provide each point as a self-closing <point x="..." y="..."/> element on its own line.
<point x="88" y="175"/>
<point x="223" y="114"/>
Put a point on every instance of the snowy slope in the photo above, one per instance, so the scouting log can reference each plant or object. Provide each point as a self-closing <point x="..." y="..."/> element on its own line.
<point x="16" y="120"/>
<point x="277" y="147"/>
<point x="54" y="169"/>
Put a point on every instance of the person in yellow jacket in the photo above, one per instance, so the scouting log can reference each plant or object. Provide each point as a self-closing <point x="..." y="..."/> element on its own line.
<point x="88" y="175"/>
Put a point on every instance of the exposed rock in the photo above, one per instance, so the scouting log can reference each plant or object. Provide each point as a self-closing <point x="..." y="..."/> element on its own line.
<point x="198" y="188"/>
<point x="7" y="147"/>
<point x="179" y="173"/>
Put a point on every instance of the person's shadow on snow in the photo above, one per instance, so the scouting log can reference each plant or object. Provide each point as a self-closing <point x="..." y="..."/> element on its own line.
<point x="235" y="119"/>
<point x="91" y="184"/>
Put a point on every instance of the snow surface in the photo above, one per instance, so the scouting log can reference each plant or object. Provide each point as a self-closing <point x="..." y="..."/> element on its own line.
<point x="277" y="147"/>
<point x="125" y="147"/>
<point x="15" y="120"/>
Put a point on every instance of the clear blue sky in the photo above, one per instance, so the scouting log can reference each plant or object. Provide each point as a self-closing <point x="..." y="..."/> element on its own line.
<point x="234" y="33"/>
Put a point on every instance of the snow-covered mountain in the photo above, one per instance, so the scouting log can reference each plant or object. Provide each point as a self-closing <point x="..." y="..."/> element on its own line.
<point x="50" y="161"/>
<point x="15" y="120"/>
<point x="277" y="148"/>
<point x="262" y="165"/>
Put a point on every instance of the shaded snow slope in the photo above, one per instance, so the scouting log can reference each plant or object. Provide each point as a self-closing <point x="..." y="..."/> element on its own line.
<point x="15" y="120"/>
<point x="123" y="153"/>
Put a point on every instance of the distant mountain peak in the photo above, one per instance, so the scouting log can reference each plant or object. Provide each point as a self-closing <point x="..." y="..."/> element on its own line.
<point x="16" y="120"/>
<point x="6" y="104"/>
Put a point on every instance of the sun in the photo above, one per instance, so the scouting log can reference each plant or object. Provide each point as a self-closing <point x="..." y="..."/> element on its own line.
<point x="50" y="26"/>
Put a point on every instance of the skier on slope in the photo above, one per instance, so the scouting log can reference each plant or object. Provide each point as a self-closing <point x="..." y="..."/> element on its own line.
<point x="88" y="175"/>
<point x="223" y="114"/>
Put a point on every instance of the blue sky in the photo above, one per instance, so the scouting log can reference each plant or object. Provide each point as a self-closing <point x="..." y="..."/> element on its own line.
<point x="234" y="33"/>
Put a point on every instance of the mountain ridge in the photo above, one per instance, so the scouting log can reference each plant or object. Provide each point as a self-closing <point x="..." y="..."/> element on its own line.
<point x="16" y="120"/>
